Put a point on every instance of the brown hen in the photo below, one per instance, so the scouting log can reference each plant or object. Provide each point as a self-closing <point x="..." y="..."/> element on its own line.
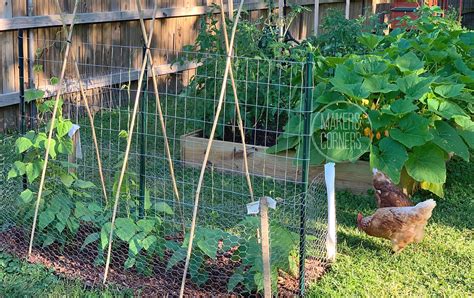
<point x="401" y="225"/>
<point x="388" y="194"/>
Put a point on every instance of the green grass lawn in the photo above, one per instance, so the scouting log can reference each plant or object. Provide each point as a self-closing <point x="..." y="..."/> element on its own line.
<point x="441" y="265"/>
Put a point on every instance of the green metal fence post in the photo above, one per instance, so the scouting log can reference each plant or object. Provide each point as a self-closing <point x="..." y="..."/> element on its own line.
<point x="306" y="113"/>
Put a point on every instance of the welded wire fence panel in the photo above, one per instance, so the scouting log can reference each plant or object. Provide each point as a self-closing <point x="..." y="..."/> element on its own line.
<point x="152" y="226"/>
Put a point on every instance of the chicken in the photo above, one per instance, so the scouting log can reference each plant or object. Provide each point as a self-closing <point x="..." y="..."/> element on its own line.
<point x="401" y="225"/>
<point x="388" y="194"/>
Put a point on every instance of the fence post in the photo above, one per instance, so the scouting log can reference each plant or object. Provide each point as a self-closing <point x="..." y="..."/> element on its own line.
<point x="308" y="99"/>
<point x="21" y="76"/>
<point x="143" y="111"/>
<point x="21" y="69"/>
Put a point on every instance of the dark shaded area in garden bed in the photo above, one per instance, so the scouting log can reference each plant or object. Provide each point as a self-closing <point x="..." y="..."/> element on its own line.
<point x="72" y="263"/>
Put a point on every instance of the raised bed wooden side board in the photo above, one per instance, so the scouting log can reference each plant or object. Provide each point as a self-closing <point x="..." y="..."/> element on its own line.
<point x="227" y="156"/>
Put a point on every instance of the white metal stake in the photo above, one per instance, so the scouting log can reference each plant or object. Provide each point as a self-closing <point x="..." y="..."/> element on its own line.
<point x="330" y="177"/>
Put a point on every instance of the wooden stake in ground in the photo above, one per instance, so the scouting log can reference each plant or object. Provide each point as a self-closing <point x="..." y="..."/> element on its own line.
<point x="208" y="151"/>
<point x="50" y="134"/>
<point x="265" y="236"/>
<point x="127" y="149"/>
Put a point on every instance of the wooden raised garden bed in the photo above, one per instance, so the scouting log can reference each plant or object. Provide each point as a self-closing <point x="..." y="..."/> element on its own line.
<point x="227" y="156"/>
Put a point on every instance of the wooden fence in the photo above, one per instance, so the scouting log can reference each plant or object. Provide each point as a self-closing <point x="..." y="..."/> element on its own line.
<point x="114" y="22"/>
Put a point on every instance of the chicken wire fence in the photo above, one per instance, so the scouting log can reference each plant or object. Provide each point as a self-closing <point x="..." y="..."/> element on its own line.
<point x="151" y="230"/>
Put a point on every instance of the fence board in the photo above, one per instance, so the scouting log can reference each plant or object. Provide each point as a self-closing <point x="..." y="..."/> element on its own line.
<point x="112" y="22"/>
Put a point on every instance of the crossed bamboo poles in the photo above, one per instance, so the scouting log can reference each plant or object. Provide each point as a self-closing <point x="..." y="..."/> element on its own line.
<point x="148" y="58"/>
<point x="53" y="118"/>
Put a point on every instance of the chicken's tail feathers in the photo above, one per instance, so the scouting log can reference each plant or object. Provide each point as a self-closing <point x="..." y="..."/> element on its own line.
<point x="428" y="204"/>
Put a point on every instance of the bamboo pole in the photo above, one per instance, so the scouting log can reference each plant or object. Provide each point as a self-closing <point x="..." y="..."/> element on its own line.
<point x="237" y="106"/>
<point x="127" y="150"/>
<point x="89" y="115"/>
<point x="50" y="134"/>
<point x="160" y="114"/>
<point x="208" y="151"/>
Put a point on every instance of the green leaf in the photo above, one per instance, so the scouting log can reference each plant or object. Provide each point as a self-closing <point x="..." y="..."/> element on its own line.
<point x="283" y="144"/>
<point x="64" y="214"/>
<point x="129" y="263"/>
<point x="234" y="280"/>
<point x="134" y="245"/>
<point x="370" y="66"/>
<point x="379" y="84"/>
<point x="371" y="41"/>
<point x="409" y="62"/>
<point x="448" y="91"/>
<point x="147" y="201"/>
<point x="33" y="170"/>
<point x="436" y="188"/>
<point x="66" y="179"/>
<point x="125" y="228"/>
<point x="163" y="208"/>
<point x="12" y="174"/>
<point x="412" y="131"/>
<point x="149" y="241"/>
<point x="83" y="184"/>
<point x="177" y="257"/>
<point x="208" y="247"/>
<point x="468" y="137"/>
<point x="33" y="94"/>
<point x="104" y="235"/>
<point x="45" y="218"/>
<point x="380" y="120"/>
<point x="52" y="150"/>
<point x="342" y="148"/>
<point x="146" y="225"/>
<point x="403" y="106"/>
<point x="26" y="196"/>
<point x="63" y="127"/>
<point x="446" y="137"/>
<point x="426" y="163"/>
<point x="20" y="167"/>
<point x="345" y="81"/>
<point x="81" y="210"/>
<point x="389" y="157"/>
<point x="49" y="240"/>
<point x="445" y="108"/>
<point x="413" y="86"/>
<point x="22" y="144"/>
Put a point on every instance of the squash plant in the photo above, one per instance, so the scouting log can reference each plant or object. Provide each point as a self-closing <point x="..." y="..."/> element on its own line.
<point x="417" y="88"/>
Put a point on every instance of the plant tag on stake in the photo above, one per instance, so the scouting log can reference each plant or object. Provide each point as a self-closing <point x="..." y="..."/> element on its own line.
<point x="254" y="207"/>
<point x="76" y="139"/>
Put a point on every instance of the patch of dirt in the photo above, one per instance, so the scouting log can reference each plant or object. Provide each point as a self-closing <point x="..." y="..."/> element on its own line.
<point x="71" y="263"/>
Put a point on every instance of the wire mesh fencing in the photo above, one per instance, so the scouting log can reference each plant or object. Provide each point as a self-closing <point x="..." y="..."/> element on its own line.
<point x="151" y="231"/>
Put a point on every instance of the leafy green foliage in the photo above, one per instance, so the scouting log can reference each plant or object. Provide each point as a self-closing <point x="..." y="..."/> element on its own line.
<point x="417" y="89"/>
<point x="250" y="272"/>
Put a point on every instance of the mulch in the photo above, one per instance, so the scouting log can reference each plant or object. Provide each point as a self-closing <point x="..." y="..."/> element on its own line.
<point x="73" y="264"/>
